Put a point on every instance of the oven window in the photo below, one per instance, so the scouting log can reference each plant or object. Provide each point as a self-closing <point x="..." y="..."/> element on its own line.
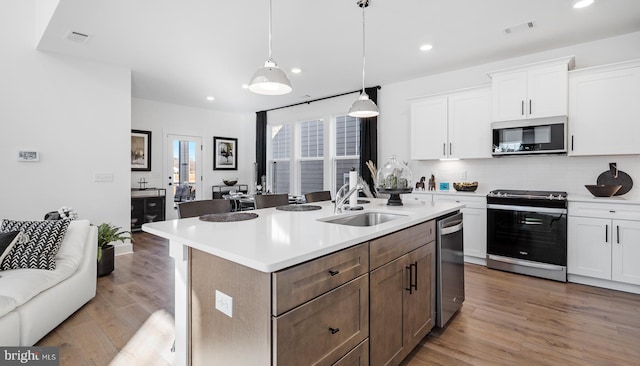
<point x="534" y="236"/>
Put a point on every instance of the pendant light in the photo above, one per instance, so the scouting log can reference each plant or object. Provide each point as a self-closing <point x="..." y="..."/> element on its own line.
<point x="270" y="79"/>
<point x="363" y="107"/>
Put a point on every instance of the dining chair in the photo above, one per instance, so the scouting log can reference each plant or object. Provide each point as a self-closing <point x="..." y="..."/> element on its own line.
<point x="271" y="200"/>
<point x="203" y="207"/>
<point x="317" y="196"/>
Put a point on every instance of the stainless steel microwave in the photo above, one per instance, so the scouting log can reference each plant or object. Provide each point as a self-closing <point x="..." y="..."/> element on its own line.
<point x="542" y="136"/>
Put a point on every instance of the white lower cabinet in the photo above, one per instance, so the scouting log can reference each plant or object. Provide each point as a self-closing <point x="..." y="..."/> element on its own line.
<point x="604" y="243"/>
<point x="625" y="254"/>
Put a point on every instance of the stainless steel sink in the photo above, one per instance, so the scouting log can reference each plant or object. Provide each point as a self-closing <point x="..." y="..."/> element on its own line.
<point x="364" y="219"/>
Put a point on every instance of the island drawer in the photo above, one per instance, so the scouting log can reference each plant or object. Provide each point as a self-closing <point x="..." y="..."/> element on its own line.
<point x="325" y="329"/>
<point x="299" y="284"/>
<point x="359" y="356"/>
<point x="387" y="248"/>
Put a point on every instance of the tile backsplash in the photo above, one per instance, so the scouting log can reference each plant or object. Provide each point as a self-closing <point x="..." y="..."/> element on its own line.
<point x="556" y="173"/>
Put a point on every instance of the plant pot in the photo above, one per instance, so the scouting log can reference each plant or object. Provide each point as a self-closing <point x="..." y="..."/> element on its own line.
<point x="106" y="263"/>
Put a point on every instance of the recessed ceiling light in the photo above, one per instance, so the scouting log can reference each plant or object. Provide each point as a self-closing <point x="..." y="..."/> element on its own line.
<point x="426" y="47"/>
<point x="578" y="4"/>
<point x="296" y="70"/>
<point x="245" y="86"/>
<point x="210" y="98"/>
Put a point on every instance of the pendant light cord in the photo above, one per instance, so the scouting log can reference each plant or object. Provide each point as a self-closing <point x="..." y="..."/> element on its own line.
<point x="269" y="29"/>
<point x="363" y="4"/>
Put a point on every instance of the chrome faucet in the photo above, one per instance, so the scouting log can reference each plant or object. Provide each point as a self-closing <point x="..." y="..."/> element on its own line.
<point x="341" y="200"/>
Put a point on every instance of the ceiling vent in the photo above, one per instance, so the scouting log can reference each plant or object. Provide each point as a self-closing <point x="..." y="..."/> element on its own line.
<point x="77" y="37"/>
<point x="520" y="27"/>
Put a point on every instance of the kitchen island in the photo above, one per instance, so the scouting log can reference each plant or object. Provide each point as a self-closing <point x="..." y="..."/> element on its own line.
<point x="254" y="292"/>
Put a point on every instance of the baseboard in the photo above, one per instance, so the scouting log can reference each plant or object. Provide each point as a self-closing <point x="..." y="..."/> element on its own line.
<point x="475" y="260"/>
<point x="123" y="248"/>
<point x="597" y="282"/>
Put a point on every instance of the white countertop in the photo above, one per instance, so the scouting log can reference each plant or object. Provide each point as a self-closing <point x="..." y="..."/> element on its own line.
<point x="592" y="199"/>
<point x="279" y="239"/>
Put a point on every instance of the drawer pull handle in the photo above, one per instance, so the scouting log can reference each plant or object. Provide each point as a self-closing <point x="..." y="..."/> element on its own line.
<point x="334" y="330"/>
<point x="333" y="273"/>
<point x="415" y="274"/>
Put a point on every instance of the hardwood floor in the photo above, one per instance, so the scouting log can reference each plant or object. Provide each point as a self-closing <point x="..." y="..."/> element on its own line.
<point x="130" y="321"/>
<point x="507" y="319"/>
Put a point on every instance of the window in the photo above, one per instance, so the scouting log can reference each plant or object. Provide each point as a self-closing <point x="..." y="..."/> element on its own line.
<point x="280" y="158"/>
<point x="347" y="154"/>
<point x="311" y="156"/>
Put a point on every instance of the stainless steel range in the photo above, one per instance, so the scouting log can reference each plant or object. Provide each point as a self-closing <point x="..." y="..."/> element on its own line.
<point x="527" y="232"/>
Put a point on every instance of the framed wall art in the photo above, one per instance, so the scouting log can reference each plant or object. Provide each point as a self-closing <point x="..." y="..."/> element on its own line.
<point x="225" y="153"/>
<point x="140" y="150"/>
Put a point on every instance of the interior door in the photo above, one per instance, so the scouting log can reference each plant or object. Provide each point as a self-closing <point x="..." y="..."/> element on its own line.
<point x="183" y="171"/>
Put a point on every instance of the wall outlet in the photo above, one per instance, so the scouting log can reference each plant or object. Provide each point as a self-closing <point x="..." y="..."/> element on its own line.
<point x="463" y="175"/>
<point x="103" y="177"/>
<point x="224" y="303"/>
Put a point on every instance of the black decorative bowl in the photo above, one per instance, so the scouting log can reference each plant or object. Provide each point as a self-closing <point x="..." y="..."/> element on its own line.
<point x="230" y="182"/>
<point x="465" y="187"/>
<point x="394" y="195"/>
<point x="603" y="190"/>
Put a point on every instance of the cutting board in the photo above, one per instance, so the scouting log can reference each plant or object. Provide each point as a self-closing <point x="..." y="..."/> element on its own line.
<point x="613" y="176"/>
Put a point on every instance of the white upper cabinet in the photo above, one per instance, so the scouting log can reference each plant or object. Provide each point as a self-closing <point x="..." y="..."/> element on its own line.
<point x="452" y="125"/>
<point x="470" y="124"/>
<point x="603" y="108"/>
<point x="532" y="91"/>
<point x="429" y="128"/>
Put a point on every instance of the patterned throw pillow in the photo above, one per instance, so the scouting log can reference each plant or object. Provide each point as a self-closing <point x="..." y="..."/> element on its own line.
<point x="40" y="250"/>
<point x="8" y="240"/>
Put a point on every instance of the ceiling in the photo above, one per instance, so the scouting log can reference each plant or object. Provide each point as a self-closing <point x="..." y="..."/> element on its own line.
<point x="182" y="51"/>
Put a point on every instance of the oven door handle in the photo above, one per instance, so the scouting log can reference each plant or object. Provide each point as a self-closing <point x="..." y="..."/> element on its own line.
<point x="546" y="266"/>
<point x="527" y="209"/>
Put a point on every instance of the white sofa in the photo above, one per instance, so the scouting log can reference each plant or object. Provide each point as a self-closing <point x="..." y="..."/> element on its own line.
<point x="35" y="301"/>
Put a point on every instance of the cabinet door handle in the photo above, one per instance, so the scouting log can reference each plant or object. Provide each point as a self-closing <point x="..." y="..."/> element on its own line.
<point x="522" y="108"/>
<point x="444" y="148"/>
<point x="333" y="273"/>
<point x="410" y="288"/>
<point x="334" y="330"/>
<point x="606" y="233"/>
<point x="571" y="142"/>
<point x="529" y="106"/>
<point x="415" y="275"/>
<point x="450" y="150"/>
<point x="618" y="234"/>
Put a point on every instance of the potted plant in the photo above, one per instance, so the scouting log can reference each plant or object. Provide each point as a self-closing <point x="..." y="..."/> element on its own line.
<point x="108" y="234"/>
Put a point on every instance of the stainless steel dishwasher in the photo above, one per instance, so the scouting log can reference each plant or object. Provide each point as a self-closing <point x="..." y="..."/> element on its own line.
<point x="449" y="268"/>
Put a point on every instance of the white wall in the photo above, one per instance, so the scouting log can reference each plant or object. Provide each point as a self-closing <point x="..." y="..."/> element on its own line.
<point x="76" y="114"/>
<point x="553" y="173"/>
<point x="164" y="118"/>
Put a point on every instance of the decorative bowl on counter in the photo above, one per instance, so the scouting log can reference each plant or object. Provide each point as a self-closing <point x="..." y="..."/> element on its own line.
<point x="230" y="182"/>
<point x="603" y="190"/>
<point x="466" y="187"/>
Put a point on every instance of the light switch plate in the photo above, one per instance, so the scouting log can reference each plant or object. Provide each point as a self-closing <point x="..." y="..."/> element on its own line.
<point x="103" y="177"/>
<point x="224" y="303"/>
